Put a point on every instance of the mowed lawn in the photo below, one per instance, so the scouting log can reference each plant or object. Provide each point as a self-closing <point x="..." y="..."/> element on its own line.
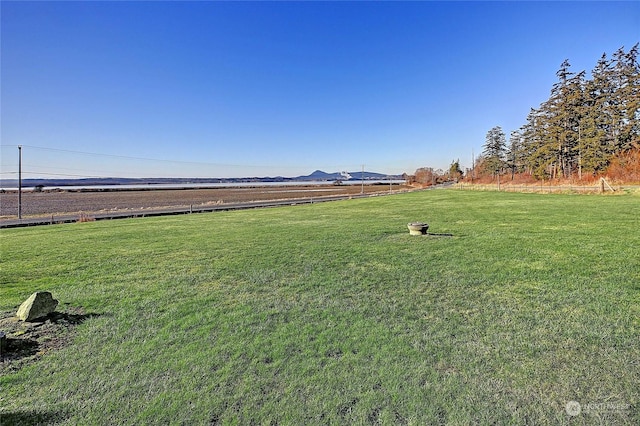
<point x="333" y="314"/>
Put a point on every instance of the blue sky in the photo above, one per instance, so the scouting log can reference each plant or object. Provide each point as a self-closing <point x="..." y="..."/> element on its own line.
<point x="226" y="89"/>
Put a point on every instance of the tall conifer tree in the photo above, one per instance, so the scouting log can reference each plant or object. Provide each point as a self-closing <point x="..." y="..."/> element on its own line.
<point x="585" y="122"/>
<point x="494" y="150"/>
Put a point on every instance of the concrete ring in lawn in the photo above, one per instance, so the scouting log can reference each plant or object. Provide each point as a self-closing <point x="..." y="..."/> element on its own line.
<point x="418" y="228"/>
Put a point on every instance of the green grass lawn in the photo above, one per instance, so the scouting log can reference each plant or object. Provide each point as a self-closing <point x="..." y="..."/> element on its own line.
<point x="333" y="314"/>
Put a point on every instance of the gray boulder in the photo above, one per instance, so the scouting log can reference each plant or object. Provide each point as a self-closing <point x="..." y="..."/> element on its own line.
<point x="39" y="304"/>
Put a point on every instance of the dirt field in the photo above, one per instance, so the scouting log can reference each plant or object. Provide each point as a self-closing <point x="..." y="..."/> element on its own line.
<point x="60" y="202"/>
<point x="26" y="342"/>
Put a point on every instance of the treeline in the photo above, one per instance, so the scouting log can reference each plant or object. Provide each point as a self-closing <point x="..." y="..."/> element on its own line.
<point x="585" y="127"/>
<point x="427" y="176"/>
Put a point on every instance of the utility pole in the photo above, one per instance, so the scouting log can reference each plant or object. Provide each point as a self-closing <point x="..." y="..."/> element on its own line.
<point x="19" y="181"/>
<point x="473" y="165"/>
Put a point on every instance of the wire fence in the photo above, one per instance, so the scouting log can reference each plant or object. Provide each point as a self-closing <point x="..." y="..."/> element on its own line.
<point x="543" y="187"/>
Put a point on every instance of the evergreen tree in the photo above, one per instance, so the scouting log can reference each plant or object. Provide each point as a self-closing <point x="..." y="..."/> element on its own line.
<point x="514" y="153"/>
<point x="538" y="144"/>
<point x="455" y="172"/>
<point x="595" y="124"/>
<point x="575" y="110"/>
<point x="530" y="142"/>
<point x="563" y="119"/>
<point x="494" y="150"/>
<point x="627" y="96"/>
<point x="584" y="123"/>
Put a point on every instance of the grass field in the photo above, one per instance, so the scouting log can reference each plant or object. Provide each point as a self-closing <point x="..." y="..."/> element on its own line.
<point x="333" y="314"/>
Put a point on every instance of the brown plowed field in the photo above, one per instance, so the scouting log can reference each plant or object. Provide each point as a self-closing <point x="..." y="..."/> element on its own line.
<point x="59" y="202"/>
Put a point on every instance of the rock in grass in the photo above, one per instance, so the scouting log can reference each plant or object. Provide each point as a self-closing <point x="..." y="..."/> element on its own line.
<point x="39" y="304"/>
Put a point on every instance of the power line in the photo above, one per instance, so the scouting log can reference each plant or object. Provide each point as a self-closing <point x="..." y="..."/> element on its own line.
<point x="65" y="174"/>
<point x="350" y="167"/>
<point x="203" y="163"/>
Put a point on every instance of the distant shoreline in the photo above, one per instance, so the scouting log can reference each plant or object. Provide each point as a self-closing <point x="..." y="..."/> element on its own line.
<point x="108" y="187"/>
<point x="317" y="177"/>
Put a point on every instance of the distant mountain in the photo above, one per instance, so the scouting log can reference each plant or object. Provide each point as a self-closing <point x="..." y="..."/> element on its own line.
<point x="320" y="175"/>
<point x="358" y="175"/>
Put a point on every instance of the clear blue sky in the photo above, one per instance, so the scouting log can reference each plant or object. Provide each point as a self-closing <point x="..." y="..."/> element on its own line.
<point x="221" y="89"/>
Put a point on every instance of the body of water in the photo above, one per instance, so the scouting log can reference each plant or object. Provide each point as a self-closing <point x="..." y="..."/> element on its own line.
<point x="207" y="185"/>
